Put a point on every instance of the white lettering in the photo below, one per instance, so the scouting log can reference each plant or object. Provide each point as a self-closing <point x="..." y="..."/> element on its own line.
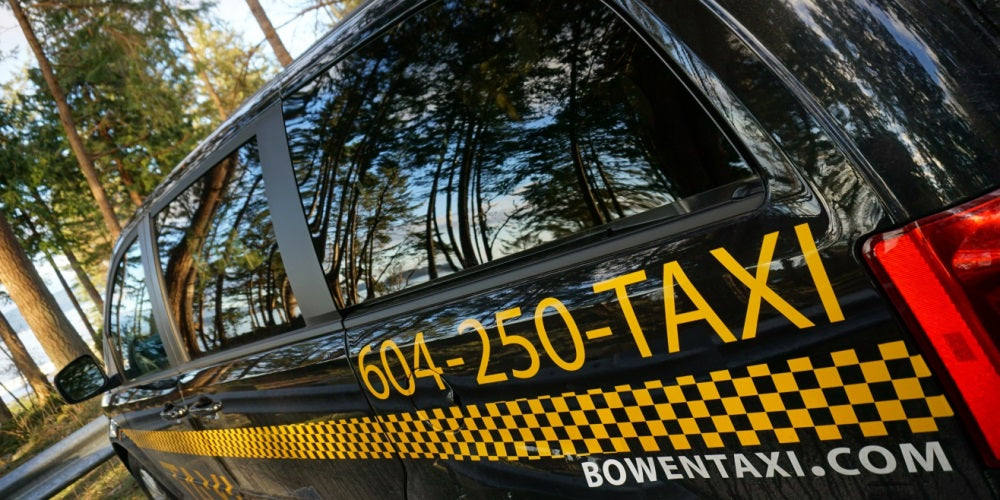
<point x="641" y="468"/>
<point x="591" y="472"/>
<point x="667" y="464"/>
<point x="795" y="464"/>
<point x="831" y="457"/>
<point x="743" y="465"/>
<point x="717" y="459"/>
<point x="772" y="464"/>
<point x="620" y="480"/>
<point x="695" y="465"/>
<point x="932" y="452"/>
<point x="865" y="457"/>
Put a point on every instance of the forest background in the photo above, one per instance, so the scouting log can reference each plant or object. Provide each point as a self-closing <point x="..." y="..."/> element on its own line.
<point x="99" y="100"/>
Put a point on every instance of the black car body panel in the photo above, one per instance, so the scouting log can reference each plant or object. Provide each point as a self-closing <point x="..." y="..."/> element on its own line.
<point x="726" y="340"/>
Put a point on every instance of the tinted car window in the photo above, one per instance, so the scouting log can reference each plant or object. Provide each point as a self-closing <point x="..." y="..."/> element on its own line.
<point x="223" y="273"/>
<point x="474" y="131"/>
<point x="133" y="331"/>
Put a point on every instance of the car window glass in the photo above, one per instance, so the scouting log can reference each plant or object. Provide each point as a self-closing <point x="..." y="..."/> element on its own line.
<point x="223" y="275"/>
<point x="477" y="130"/>
<point x="133" y="332"/>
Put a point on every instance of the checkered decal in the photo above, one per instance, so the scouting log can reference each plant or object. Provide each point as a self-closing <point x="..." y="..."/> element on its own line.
<point x="728" y="408"/>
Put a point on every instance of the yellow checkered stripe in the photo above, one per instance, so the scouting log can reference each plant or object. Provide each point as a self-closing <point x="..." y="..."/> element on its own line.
<point x="891" y="392"/>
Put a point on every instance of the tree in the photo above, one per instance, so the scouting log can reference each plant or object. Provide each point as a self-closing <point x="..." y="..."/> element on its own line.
<point x="272" y="36"/>
<point x="39" y="308"/>
<point x="66" y="118"/>
<point x="24" y="363"/>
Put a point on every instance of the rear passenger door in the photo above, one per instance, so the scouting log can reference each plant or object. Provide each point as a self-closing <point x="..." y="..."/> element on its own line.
<point x="266" y="382"/>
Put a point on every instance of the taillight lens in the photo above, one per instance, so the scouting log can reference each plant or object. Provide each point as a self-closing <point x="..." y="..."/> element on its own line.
<point x="943" y="273"/>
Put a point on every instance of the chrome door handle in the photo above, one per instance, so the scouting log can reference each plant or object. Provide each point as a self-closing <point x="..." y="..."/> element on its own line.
<point x="205" y="407"/>
<point x="172" y="412"/>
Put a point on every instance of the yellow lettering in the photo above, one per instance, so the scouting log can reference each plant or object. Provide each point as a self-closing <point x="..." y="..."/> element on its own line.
<point x="672" y="272"/>
<point x="758" y="287"/>
<point x="618" y="284"/>
<point x="818" y="272"/>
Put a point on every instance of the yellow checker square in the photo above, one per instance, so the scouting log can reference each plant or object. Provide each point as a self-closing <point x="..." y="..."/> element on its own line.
<point x="674" y="394"/>
<point x="844" y="358"/>
<point x="923" y="424"/>
<point x="828" y="377"/>
<point x="579" y="417"/>
<point x="908" y="388"/>
<point x="875" y="371"/>
<point x="613" y="400"/>
<point x="748" y="438"/>
<point x="649" y="384"/>
<point x="800" y="365"/>
<point x="772" y="402"/>
<point x="920" y="368"/>
<point x="708" y="390"/>
<point x="859" y="394"/>
<point x="720" y="375"/>
<point x="686" y="380"/>
<point x="634" y="414"/>
<point x="689" y="426"/>
<point x="758" y="370"/>
<point x="843" y="414"/>
<point x="890" y="411"/>
<point x="828" y="432"/>
<point x="733" y="406"/>
<point x="620" y="444"/>
<point x="893" y="350"/>
<point x="642" y="397"/>
<point x="680" y="442"/>
<point x="656" y="428"/>
<point x="626" y="429"/>
<point x="786" y="435"/>
<point x="760" y="421"/>
<point x="723" y="423"/>
<point x="800" y="418"/>
<point x="605" y="415"/>
<point x="593" y="446"/>
<point x="713" y="440"/>
<point x="665" y="411"/>
<point x="744" y="386"/>
<point x="785" y="382"/>
<point x="873" y="429"/>
<point x="649" y="443"/>
<point x="559" y="403"/>
<point x="814" y="398"/>
<point x="698" y="409"/>
<point x="939" y="406"/>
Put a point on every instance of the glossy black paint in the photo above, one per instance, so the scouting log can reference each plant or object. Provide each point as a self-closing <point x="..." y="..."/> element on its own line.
<point x="856" y="116"/>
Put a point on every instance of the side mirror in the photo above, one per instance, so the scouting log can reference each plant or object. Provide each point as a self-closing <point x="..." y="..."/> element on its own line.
<point x="83" y="379"/>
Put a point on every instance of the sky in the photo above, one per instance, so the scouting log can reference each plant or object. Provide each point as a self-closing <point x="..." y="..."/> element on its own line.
<point x="297" y="33"/>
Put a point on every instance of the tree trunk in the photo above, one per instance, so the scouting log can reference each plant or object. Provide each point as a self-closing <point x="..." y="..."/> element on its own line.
<point x="196" y="58"/>
<point x="272" y="36"/>
<point x="75" y="142"/>
<point x="74" y="263"/>
<point x="37" y="305"/>
<point x="24" y="363"/>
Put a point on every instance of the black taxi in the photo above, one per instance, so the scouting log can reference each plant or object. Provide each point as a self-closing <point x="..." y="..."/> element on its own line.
<point x="574" y="248"/>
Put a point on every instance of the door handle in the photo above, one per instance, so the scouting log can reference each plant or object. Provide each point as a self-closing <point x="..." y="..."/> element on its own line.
<point x="205" y="407"/>
<point x="173" y="412"/>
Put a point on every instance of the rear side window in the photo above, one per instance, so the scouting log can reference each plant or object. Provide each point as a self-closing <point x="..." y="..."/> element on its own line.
<point x="477" y="130"/>
<point x="224" y="278"/>
<point x="133" y="332"/>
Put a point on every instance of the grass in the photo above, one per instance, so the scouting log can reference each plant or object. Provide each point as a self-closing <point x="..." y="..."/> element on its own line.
<point x="110" y="481"/>
<point x="35" y="428"/>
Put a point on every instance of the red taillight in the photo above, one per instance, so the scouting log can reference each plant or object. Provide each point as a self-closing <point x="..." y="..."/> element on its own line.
<point x="943" y="273"/>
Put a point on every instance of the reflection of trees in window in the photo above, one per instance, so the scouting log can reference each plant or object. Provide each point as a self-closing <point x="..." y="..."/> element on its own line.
<point x="474" y="131"/>
<point x="225" y="280"/>
<point x="133" y="332"/>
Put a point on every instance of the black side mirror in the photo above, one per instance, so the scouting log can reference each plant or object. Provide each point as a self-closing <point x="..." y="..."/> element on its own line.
<point x="83" y="379"/>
